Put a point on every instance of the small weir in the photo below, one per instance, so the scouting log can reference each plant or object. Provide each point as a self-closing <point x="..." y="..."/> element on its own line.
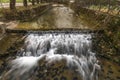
<point x="67" y="47"/>
<point x="74" y="50"/>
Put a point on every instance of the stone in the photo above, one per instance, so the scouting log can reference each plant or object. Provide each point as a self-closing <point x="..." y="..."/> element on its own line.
<point x="56" y="78"/>
<point x="118" y="77"/>
<point x="63" y="78"/>
<point x="1" y="23"/>
<point x="75" y="78"/>
<point x="1" y="66"/>
<point x="1" y="62"/>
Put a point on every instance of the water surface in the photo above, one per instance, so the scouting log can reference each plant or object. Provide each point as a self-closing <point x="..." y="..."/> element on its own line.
<point x="58" y="17"/>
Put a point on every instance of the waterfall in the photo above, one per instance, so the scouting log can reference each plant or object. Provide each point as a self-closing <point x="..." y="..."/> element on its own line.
<point x="75" y="49"/>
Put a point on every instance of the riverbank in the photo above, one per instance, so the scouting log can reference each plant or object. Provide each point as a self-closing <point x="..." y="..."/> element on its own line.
<point x="10" y="19"/>
<point x="25" y="14"/>
<point x="107" y="44"/>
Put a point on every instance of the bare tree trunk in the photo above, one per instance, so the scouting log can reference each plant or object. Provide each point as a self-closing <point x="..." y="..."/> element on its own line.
<point x="37" y="1"/>
<point x="42" y="1"/>
<point x="25" y="3"/>
<point x="12" y="4"/>
<point x="33" y="2"/>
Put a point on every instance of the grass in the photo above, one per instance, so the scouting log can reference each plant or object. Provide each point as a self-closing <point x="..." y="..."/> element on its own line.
<point x="7" y="1"/>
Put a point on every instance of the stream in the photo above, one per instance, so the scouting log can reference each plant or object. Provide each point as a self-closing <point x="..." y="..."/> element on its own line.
<point x="58" y="17"/>
<point x="56" y="55"/>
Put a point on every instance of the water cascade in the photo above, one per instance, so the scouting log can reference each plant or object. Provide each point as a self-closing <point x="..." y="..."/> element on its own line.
<point x="74" y="49"/>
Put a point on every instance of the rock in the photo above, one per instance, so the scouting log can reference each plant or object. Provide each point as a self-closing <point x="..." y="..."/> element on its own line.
<point x="56" y="71"/>
<point x="1" y="23"/>
<point x="75" y="78"/>
<point x="56" y="78"/>
<point x="12" y="24"/>
<point x="110" y="71"/>
<point x="1" y="62"/>
<point x="118" y="70"/>
<point x="63" y="78"/>
<point x="1" y="66"/>
<point x="2" y="28"/>
<point x="118" y="77"/>
<point x="44" y="47"/>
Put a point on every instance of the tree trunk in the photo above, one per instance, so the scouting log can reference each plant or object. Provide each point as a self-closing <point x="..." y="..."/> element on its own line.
<point x="33" y="2"/>
<point x="37" y="1"/>
<point x="25" y="3"/>
<point x="42" y="1"/>
<point x="12" y="4"/>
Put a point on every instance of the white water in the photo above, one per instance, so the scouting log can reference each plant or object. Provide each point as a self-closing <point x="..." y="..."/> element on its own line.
<point x="75" y="49"/>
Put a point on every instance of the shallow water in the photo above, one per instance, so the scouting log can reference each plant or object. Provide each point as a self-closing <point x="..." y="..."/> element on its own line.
<point x="57" y="17"/>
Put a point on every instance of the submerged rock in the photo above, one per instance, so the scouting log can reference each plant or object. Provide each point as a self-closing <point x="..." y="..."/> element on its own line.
<point x="57" y="70"/>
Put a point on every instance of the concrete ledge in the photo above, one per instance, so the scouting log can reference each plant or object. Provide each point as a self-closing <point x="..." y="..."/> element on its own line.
<point x="86" y="31"/>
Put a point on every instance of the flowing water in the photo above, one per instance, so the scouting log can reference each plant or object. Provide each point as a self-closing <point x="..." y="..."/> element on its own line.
<point x="73" y="49"/>
<point x="59" y="16"/>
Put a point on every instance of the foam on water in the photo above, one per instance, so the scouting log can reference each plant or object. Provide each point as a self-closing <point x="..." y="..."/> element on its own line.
<point x="75" y="49"/>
